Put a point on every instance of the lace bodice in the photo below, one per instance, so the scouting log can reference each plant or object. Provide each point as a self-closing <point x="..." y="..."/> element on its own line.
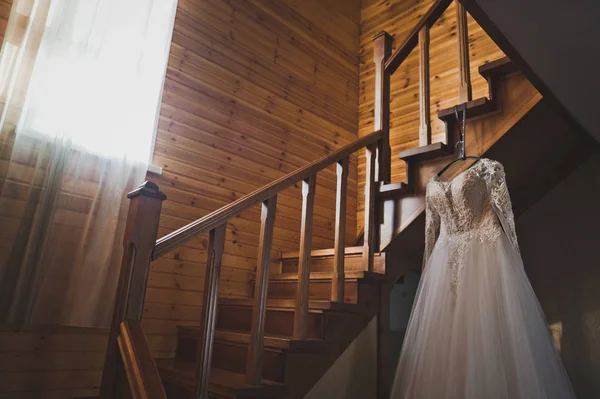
<point x="473" y="205"/>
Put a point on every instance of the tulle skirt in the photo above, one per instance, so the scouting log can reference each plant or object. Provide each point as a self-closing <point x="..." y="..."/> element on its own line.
<point x="488" y="340"/>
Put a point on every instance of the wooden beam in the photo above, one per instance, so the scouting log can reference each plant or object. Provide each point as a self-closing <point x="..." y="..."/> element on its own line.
<point x="141" y="230"/>
<point x="338" y="280"/>
<point x="308" y="203"/>
<point x="370" y="238"/>
<point x="255" y="358"/>
<point x="382" y="51"/>
<point x="465" y="91"/>
<point x="216" y="241"/>
<point x="424" y="88"/>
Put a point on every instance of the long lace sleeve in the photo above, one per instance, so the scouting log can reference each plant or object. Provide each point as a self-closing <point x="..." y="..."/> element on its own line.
<point x="432" y="229"/>
<point x="501" y="202"/>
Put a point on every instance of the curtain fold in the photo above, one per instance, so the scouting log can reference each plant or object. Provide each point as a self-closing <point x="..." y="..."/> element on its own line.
<point x="80" y="85"/>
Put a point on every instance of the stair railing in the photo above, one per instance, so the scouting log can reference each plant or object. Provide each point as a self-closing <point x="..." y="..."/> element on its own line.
<point x="142" y="375"/>
<point x="420" y="36"/>
<point x="125" y="331"/>
<point x="141" y="247"/>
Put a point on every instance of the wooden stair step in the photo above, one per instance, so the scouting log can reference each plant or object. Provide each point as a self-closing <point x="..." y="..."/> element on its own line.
<point x="499" y="67"/>
<point x="318" y="290"/>
<point x="290" y="304"/>
<point x="475" y="108"/>
<point x="236" y="315"/>
<point x="321" y="260"/>
<point x="353" y="275"/>
<point x="425" y="153"/>
<point x="316" y="253"/>
<point x="230" y="353"/>
<point x="222" y="383"/>
<point x="482" y="106"/>
<point x="393" y="190"/>
<point x="275" y="342"/>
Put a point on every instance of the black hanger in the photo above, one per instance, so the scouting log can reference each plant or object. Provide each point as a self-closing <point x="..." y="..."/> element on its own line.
<point x="462" y="122"/>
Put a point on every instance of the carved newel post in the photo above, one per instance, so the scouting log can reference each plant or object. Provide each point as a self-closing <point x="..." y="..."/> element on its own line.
<point x="138" y="243"/>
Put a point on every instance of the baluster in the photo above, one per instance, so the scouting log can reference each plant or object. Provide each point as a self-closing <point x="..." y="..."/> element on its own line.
<point x="370" y="231"/>
<point x="465" y="92"/>
<point x="338" y="279"/>
<point x="138" y="243"/>
<point x="254" y="364"/>
<point x="216" y="241"/>
<point x="424" y="93"/>
<point x="382" y="51"/>
<point x="308" y="202"/>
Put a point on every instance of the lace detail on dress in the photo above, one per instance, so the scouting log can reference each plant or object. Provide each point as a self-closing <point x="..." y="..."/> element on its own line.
<point x="502" y="205"/>
<point x="472" y="207"/>
<point x="432" y="228"/>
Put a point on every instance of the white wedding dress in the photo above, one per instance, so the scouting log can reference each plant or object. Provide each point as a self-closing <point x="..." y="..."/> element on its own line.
<point x="476" y="330"/>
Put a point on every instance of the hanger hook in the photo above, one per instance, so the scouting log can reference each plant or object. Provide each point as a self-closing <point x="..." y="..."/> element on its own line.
<point x="462" y="127"/>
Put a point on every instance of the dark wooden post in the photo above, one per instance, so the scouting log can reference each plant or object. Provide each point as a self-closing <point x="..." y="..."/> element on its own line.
<point x="465" y="92"/>
<point x="370" y="227"/>
<point x="254" y="362"/>
<point x="208" y="320"/>
<point x="424" y="91"/>
<point x="383" y="51"/>
<point x="339" y="250"/>
<point x="301" y="311"/>
<point x="138" y="243"/>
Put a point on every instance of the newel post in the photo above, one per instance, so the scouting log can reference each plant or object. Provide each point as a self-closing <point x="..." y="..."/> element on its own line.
<point x="382" y="43"/>
<point x="138" y="243"/>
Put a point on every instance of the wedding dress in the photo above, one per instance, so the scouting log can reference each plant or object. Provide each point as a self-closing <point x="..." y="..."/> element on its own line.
<point x="476" y="330"/>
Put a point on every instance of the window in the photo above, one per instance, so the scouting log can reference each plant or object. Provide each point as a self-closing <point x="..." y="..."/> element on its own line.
<point x="98" y="76"/>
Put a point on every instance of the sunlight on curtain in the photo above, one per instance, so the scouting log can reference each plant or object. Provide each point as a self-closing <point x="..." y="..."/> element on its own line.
<point x="110" y="53"/>
<point x="80" y="88"/>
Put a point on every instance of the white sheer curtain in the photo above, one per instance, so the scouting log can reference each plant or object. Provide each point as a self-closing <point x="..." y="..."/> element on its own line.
<point x="80" y="86"/>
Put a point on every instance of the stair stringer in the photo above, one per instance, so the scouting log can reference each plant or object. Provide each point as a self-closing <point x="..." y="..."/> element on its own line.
<point x="516" y="96"/>
<point x="303" y="372"/>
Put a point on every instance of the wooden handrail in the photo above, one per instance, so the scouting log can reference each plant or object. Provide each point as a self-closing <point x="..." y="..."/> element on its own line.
<point x="432" y="15"/>
<point x="142" y="374"/>
<point x="220" y="216"/>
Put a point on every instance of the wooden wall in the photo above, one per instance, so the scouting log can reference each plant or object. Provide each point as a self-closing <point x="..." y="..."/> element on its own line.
<point x="254" y="90"/>
<point x="54" y="362"/>
<point x="398" y="18"/>
<point x="63" y="362"/>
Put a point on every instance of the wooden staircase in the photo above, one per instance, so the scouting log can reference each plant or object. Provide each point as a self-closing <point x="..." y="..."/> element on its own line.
<point x="291" y="366"/>
<point x="301" y="319"/>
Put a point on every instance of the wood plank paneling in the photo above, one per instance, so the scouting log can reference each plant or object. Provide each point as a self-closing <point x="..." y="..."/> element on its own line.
<point x="398" y="18"/>
<point x="51" y="363"/>
<point x="254" y="90"/>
